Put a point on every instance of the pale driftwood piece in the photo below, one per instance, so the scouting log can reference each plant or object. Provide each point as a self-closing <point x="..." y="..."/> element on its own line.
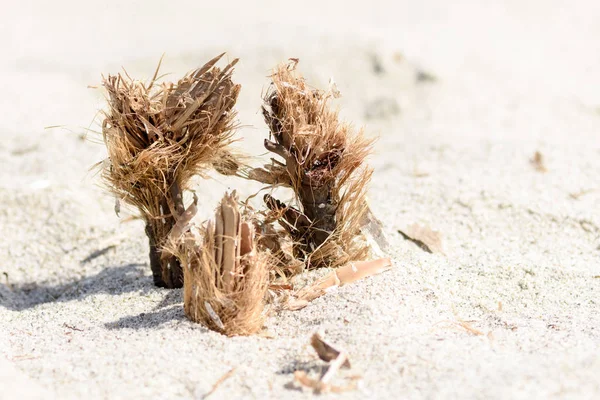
<point x="342" y="276"/>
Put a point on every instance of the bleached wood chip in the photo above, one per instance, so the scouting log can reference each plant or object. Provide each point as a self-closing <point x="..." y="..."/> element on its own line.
<point x="423" y="236"/>
<point x="342" y="276"/>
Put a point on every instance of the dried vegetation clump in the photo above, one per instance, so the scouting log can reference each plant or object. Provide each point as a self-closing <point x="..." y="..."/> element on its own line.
<point x="225" y="277"/>
<point x="323" y="163"/>
<point x="159" y="136"/>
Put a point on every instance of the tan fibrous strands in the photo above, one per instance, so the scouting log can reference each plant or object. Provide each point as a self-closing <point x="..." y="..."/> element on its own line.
<point x="323" y="163"/>
<point x="158" y="136"/>
<point x="226" y="276"/>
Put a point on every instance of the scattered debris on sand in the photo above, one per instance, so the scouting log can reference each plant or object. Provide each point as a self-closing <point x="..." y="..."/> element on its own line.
<point x="337" y="360"/>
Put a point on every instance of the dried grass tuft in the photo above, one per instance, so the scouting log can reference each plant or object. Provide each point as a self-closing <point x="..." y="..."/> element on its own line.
<point x="160" y="135"/>
<point x="226" y="278"/>
<point x="323" y="164"/>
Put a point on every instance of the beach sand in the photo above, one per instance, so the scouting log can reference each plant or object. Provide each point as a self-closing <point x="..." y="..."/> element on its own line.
<point x="461" y="98"/>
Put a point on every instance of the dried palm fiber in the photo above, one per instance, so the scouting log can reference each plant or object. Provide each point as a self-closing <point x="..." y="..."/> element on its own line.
<point x="323" y="164"/>
<point x="225" y="277"/>
<point x="158" y="137"/>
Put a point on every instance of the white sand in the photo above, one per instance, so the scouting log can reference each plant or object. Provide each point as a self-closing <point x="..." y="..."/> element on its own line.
<point x="513" y="78"/>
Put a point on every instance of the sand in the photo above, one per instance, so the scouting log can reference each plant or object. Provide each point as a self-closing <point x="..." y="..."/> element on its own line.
<point x="79" y="316"/>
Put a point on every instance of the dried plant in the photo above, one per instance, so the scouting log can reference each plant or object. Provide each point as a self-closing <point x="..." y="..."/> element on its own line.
<point x="158" y="137"/>
<point x="323" y="164"/>
<point x="226" y="278"/>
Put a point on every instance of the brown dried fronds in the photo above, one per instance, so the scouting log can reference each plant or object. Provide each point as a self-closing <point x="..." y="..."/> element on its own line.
<point x="226" y="278"/>
<point x="160" y="135"/>
<point x="323" y="164"/>
<point x="277" y="242"/>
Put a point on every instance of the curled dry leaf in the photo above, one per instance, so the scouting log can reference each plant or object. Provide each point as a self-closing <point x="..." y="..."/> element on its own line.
<point x="337" y="359"/>
<point x="424" y="237"/>
<point x="325" y="351"/>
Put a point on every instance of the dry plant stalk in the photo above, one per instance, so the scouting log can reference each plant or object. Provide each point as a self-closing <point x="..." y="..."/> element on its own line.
<point x="324" y="166"/>
<point x="158" y="137"/>
<point x="345" y="275"/>
<point x="225" y="279"/>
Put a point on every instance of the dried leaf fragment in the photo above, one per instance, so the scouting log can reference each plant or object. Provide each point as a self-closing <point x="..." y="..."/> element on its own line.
<point x="325" y="351"/>
<point x="337" y="359"/>
<point x="581" y="193"/>
<point x="424" y="237"/>
<point x="538" y="162"/>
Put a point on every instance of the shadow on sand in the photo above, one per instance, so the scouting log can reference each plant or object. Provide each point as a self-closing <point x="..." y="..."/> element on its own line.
<point x="111" y="280"/>
<point x="169" y="309"/>
<point x="117" y="280"/>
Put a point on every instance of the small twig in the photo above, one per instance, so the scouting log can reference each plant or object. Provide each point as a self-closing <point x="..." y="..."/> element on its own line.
<point x="72" y="327"/>
<point x="222" y="379"/>
<point x="469" y="328"/>
<point x="7" y="281"/>
<point x="424" y="237"/>
<point x="24" y="150"/>
<point x="25" y="357"/>
<point x="98" y="253"/>
<point x="581" y="193"/>
<point x="334" y="367"/>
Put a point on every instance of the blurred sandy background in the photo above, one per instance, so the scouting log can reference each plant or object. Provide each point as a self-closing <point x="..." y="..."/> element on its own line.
<point x="461" y="97"/>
